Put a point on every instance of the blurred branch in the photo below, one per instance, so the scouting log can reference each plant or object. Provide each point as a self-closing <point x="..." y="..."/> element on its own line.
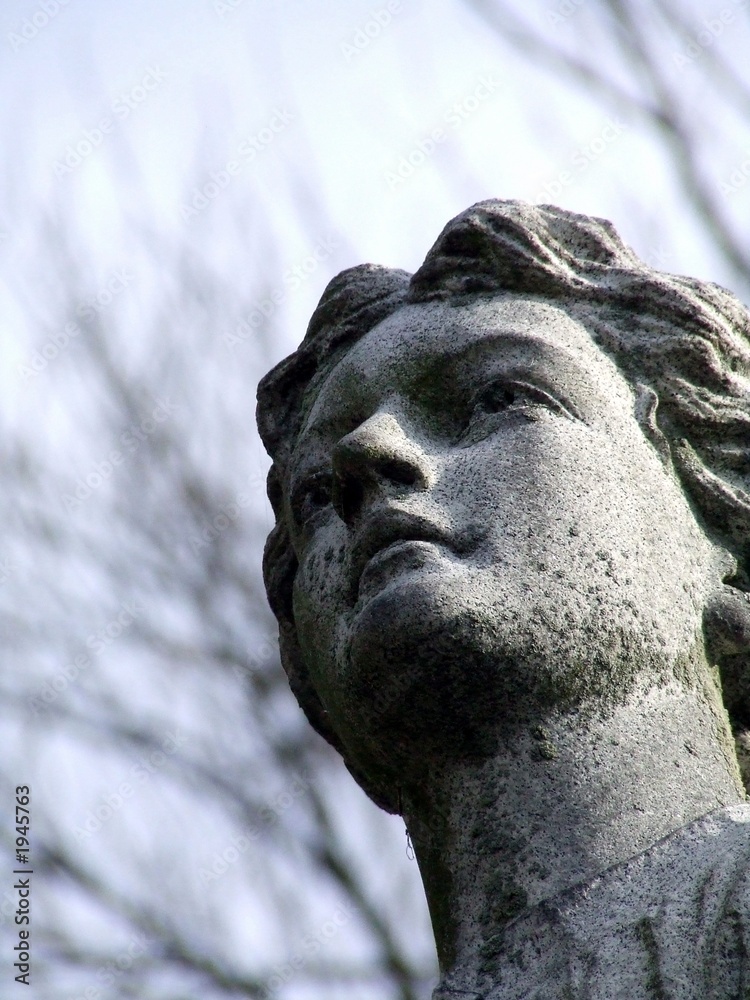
<point x="661" y="108"/>
<point x="154" y="614"/>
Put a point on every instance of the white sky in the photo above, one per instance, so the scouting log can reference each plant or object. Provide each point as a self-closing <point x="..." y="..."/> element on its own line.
<point x="519" y="134"/>
<point x="354" y="117"/>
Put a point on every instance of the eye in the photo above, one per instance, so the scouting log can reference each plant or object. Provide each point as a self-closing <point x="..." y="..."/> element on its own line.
<point x="501" y="396"/>
<point x="510" y="398"/>
<point x="496" y="398"/>
<point x="311" y="495"/>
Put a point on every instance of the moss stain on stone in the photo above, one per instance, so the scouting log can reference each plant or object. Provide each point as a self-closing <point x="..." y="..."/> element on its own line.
<point x="544" y="748"/>
<point x="654" y="983"/>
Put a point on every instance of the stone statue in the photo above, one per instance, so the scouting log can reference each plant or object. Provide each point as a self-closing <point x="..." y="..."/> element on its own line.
<point x="511" y="570"/>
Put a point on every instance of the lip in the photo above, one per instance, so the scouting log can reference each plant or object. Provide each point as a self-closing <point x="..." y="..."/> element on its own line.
<point x="396" y="558"/>
<point x="382" y="531"/>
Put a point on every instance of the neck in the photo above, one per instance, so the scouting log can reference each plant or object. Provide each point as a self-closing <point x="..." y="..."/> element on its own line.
<point x="561" y="800"/>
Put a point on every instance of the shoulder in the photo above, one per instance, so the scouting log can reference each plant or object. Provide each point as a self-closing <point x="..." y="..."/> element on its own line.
<point x="673" y="921"/>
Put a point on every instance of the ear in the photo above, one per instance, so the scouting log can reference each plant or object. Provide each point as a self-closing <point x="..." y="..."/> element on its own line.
<point x="646" y="403"/>
<point x="726" y="623"/>
<point x="726" y="628"/>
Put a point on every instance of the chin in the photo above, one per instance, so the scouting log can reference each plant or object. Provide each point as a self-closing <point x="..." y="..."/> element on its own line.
<point x="424" y="671"/>
<point x="432" y="671"/>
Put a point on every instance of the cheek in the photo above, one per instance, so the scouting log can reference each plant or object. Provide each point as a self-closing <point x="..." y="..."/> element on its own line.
<point x="319" y="589"/>
<point x="569" y="507"/>
<point x="525" y="475"/>
<point x="553" y="471"/>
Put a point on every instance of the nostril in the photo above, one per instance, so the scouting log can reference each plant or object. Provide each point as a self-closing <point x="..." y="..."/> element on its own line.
<point x="399" y="471"/>
<point x="352" y="495"/>
<point x="348" y="495"/>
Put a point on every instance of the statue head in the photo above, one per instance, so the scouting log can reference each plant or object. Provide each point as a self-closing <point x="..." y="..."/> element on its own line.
<point x="513" y="483"/>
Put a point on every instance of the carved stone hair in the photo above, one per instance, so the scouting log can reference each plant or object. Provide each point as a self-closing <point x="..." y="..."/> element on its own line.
<point x="685" y="342"/>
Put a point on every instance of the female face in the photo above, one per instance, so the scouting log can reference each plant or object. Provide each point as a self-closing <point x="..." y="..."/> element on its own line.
<point x="482" y="528"/>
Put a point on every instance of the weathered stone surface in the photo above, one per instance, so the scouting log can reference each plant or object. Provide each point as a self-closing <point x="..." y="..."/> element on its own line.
<point x="670" y="924"/>
<point x="511" y="567"/>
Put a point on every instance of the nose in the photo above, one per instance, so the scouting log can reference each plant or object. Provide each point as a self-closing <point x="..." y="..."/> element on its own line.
<point x="378" y="458"/>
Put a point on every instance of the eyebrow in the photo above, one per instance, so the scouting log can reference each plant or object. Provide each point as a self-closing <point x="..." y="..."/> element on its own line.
<point x="530" y="349"/>
<point x="521" y="340"/>
<point x="451" y="359"/>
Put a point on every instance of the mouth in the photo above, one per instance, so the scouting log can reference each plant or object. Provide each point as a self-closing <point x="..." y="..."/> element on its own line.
<point x="394" y="560"/>
<point x="390" y="538"/>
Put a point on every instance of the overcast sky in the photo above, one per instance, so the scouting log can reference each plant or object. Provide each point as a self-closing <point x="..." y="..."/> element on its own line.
<point x="121" y="110"/>
<point x="279" y="141"/>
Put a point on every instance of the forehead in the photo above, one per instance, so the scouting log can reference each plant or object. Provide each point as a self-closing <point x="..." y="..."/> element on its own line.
<point x="430" y="345"/>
